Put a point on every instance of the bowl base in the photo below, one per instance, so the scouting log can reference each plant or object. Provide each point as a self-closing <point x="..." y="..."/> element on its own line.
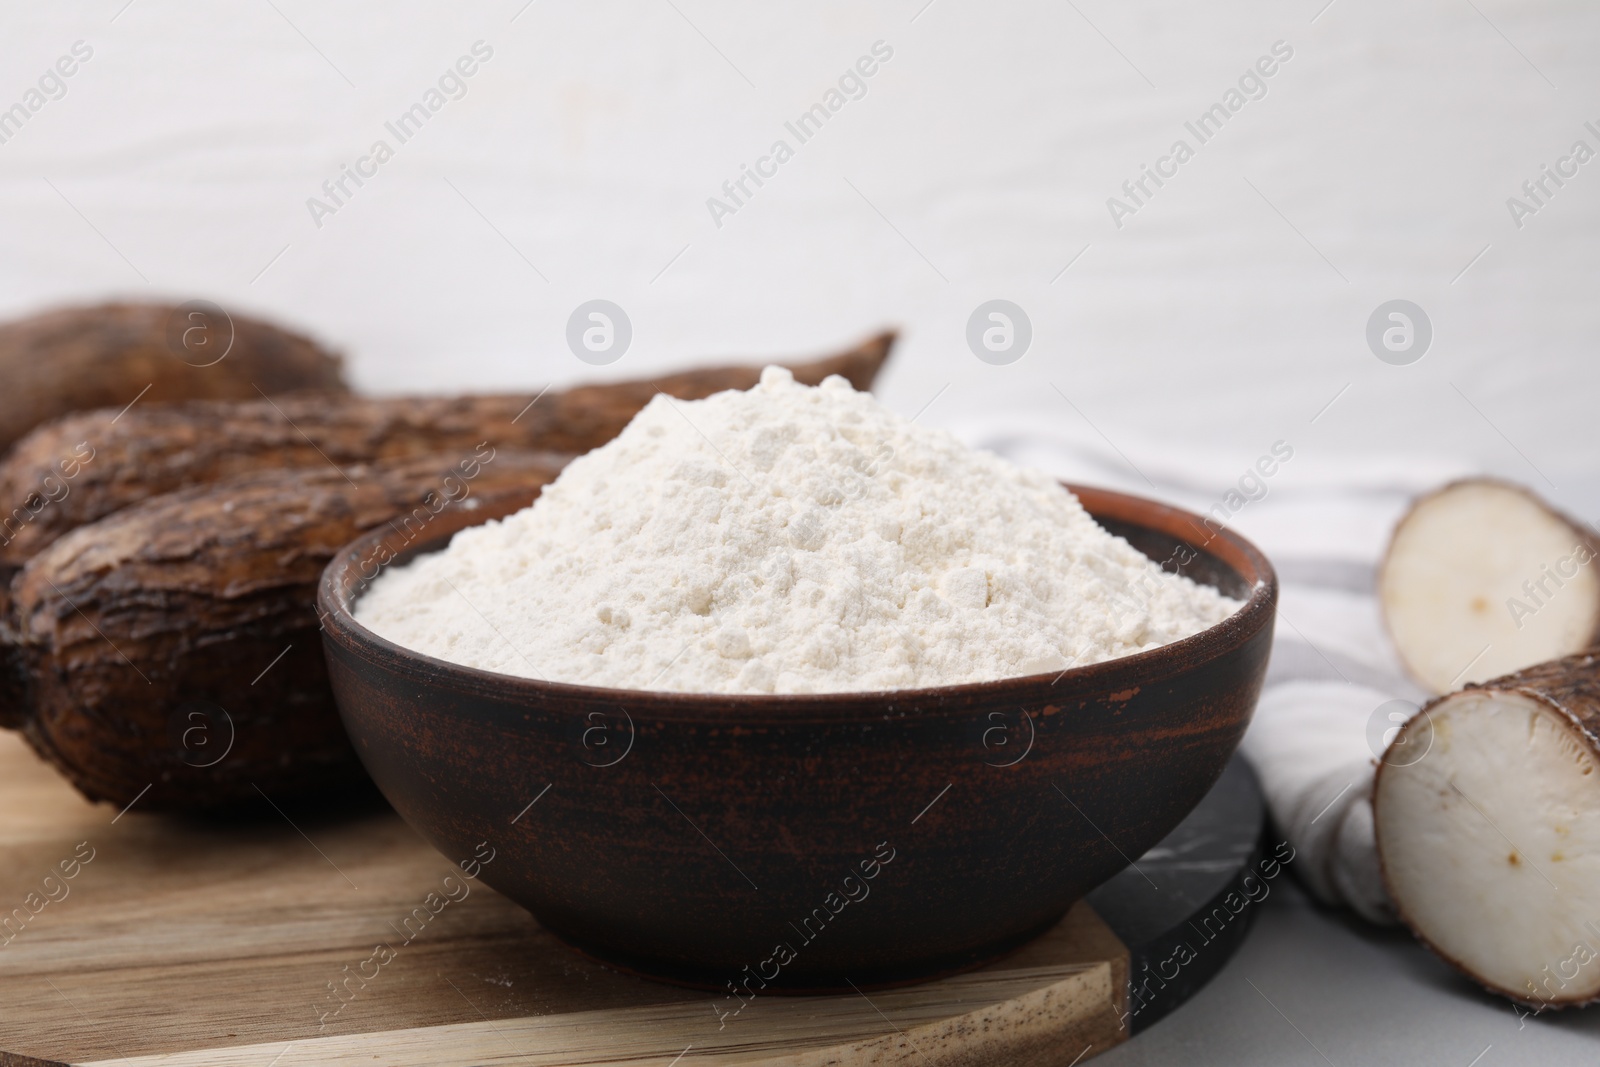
<point x="812" y="983"/>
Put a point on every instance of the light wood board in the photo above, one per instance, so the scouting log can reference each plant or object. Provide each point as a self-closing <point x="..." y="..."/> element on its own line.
<point x="216" y="943"/>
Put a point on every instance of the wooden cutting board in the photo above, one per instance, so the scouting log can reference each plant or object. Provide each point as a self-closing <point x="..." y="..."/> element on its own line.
<point x="219" y="943"/>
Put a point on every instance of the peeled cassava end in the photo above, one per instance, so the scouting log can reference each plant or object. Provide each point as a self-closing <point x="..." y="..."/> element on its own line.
<point x="1482" y="578"/>
<point x="1490" y="839"/>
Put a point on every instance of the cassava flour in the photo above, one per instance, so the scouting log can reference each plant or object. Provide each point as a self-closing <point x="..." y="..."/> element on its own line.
<point x="787" y="539"/>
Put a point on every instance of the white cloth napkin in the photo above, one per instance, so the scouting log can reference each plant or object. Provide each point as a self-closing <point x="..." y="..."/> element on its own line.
<point x="1334" y="684"/>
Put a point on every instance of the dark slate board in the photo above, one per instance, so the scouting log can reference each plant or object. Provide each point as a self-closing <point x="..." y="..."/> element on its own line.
<point x="1184" y="906"/>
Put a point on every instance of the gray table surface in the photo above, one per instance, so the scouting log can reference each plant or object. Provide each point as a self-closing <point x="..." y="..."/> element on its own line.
<point x="1316" y="987"/>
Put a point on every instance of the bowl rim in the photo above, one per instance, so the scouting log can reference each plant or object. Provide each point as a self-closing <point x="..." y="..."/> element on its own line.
<point x="339" y="624"/>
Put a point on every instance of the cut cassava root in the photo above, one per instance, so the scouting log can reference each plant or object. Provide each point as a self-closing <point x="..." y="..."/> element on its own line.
<point x="1490" y="842"/>
<point x="174" y="644"/>
<point x="1482" y="578"/>
<point x="158" y="448"/>
<point x="75" y="359"/>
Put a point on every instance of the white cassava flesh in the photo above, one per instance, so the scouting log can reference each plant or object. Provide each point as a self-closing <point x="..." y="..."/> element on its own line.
<point x="1490" y="842"/>
<point x="1483" y="578"/>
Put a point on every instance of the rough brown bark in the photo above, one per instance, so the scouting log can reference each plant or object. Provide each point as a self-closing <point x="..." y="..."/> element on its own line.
<point x="83" y="467"/>
<point x="74" y="359"/>
<point x="129" y="634"/>
<point x="1571" y="685"/>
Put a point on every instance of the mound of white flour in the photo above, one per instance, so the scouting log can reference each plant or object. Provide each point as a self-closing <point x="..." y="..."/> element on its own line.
<point x="787" y="539"/>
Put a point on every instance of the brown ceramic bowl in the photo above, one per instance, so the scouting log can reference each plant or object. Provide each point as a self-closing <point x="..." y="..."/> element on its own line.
<point x="808" y="842"/>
